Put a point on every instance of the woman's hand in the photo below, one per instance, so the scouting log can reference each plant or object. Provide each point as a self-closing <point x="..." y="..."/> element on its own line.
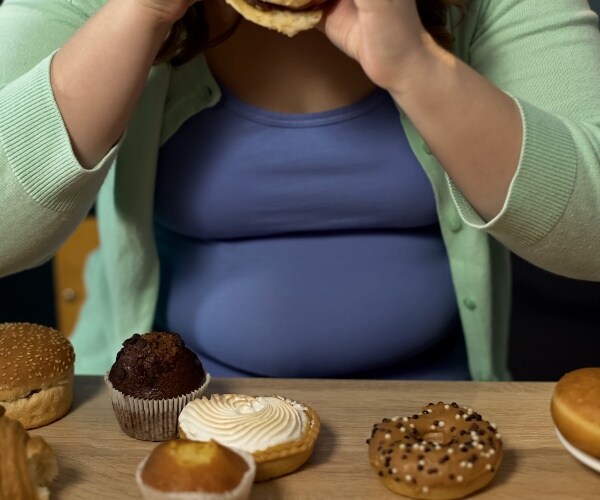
<point x="385" y="36"/>
<point x="472" y="127"/>
<point x="99" y="74"/>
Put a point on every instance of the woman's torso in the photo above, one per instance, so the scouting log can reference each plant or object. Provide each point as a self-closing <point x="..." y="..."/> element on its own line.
<point x="304" y="245"/>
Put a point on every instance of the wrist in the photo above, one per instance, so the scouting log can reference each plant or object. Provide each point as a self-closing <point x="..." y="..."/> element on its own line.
<point x="424" y="63"/>
<point x="143" y="14"/>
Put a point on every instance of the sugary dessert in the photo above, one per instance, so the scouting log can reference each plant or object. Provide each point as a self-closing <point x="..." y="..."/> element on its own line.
<point x="36" y="373"/>
<point x="156" y="365"/>
<point x="286" y="16"/>
<point x="279" y="433"/>
<point x="153" y="377"/>
<point x="575" y="409"/>
<point x="195" y="470"/>
<point x="443" y="452"/>
<point x="27" y="464"/>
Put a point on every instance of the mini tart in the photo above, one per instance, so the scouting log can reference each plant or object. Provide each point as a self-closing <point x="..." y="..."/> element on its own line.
<point x="196" y="470"/>
<point x="279" y="433"/>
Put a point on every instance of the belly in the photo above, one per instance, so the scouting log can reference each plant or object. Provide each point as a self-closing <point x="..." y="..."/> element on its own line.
<point x="324" y="305"/>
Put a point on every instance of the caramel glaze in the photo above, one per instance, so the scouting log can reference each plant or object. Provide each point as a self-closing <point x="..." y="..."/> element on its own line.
<point x="441" y="447"/>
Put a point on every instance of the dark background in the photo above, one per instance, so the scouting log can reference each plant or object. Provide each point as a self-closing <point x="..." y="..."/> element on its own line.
<point x="555" y="322"/>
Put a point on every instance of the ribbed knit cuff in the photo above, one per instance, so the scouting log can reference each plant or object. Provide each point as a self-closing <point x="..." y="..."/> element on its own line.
<point x="542" y="186"/>
<point x="38" y="147"/>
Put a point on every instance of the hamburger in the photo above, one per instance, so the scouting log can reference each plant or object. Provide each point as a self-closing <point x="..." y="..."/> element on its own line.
<point x="286" y="16"/>
<point x="36" y="373"/>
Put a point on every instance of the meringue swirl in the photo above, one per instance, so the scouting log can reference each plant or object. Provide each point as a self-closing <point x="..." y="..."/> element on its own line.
<point x="245" y="422"/>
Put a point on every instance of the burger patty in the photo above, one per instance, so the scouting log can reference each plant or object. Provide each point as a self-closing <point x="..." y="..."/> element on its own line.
<point x="267" y="6"/>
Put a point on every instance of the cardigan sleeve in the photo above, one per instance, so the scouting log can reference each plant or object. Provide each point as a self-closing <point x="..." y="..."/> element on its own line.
<point x="547" y="58"/>
<point x="44" y="191"/>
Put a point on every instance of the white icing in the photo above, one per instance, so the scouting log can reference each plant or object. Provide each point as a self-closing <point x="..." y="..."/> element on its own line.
<point x="244" y="422"/>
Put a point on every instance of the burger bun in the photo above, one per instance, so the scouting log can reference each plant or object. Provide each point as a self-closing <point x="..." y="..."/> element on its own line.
<point x="287" y="22"/>
<point x="36" y="369"/>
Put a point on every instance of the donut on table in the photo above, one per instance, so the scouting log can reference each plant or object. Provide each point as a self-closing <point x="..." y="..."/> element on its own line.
<point x="444" y="452"/>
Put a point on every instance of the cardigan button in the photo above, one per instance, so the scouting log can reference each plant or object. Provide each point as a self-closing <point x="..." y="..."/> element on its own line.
<point x="455" y="224"/>
<point x="469" y="303"/>
<point x="427" y="149"/>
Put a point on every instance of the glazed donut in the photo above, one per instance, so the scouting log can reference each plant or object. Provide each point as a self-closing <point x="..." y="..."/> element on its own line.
<point x="444" y="452"/>
<point x="575" y="409"/>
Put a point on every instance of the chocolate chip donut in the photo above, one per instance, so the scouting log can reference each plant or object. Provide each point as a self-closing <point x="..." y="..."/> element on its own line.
<point x="443" y="452"/>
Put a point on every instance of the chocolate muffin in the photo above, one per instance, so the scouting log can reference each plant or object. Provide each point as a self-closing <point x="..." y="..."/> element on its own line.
<point x="153" y="377"/>
<point x="156" y="365"/>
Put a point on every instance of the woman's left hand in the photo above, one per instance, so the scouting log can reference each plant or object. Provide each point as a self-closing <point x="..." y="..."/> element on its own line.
<point x="385" y="36"/>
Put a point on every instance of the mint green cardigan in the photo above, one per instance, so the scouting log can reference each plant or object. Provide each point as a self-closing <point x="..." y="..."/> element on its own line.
<point x="547" y="57"/>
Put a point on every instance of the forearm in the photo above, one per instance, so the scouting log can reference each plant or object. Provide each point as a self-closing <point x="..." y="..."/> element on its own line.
<point x="98" y="75"/>
<point x="472" y="127"/>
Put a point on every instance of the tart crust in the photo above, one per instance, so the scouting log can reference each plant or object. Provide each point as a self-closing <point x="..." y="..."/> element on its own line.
<point x="284" y="458"/>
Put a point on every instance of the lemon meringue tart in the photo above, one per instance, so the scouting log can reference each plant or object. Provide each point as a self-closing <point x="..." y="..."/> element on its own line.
<point x="279" y="433"/>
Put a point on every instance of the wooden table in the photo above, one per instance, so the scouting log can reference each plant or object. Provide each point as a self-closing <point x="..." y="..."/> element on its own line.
<point x="97" y="460"/>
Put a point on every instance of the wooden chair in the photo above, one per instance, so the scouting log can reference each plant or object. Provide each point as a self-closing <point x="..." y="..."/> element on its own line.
<point x="68" y="265"/>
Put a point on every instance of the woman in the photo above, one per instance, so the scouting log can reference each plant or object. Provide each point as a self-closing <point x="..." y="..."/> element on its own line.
<point x="325" y="205"/>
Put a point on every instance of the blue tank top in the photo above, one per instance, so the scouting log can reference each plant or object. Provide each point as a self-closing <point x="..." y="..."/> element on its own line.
<point x="304" y="246"/>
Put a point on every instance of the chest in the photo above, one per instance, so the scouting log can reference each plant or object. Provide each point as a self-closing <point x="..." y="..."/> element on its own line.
<point x="237" y="171"/>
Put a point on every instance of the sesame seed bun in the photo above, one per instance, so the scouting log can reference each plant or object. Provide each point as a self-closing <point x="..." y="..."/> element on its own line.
<point x="36" y="373"/>
<point x="287" y="22"/>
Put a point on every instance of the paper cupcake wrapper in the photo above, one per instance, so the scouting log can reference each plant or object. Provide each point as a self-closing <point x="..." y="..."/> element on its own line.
<point x="150" y="419"/>
<point x="241" y="492"/>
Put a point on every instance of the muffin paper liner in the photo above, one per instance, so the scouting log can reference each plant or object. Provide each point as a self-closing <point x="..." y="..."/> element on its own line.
<point x="150" y="419"/>
<point x="241" y="492"/>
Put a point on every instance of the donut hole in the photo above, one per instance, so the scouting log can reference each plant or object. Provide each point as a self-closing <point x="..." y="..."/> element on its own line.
<point x="438" y="437"/>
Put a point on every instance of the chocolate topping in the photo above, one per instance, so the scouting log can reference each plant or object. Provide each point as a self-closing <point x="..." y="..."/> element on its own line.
<point x="267" y="6"/>
<point x="156" y="365"/>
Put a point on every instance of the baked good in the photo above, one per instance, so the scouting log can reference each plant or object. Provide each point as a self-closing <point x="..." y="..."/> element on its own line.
<point x="279" y="432"/>
<point x="36" y="373"/>
<point x="27" y="464"/>
<point x="575" y="409"/>
<point x="194" y="470"/>
<point x="156" y="365"/>
<point x="444" y="451"/>
<point x="286" y="16"/>
<point x="153" y="377"/>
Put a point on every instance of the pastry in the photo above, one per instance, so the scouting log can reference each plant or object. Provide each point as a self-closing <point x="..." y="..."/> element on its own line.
<point x="279" y="432"/>
<point x="36" y="373"/>
<point x="196" y="470"/>
<point x="444" y="451"/>
<point x="575" y="409"/>
<point x="286" y="16"/>
<point x="153" y="377"/>
<point x="27" y="464"/>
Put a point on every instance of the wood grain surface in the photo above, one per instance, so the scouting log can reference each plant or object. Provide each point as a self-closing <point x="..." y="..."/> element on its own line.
<point x="98" y="461"/>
